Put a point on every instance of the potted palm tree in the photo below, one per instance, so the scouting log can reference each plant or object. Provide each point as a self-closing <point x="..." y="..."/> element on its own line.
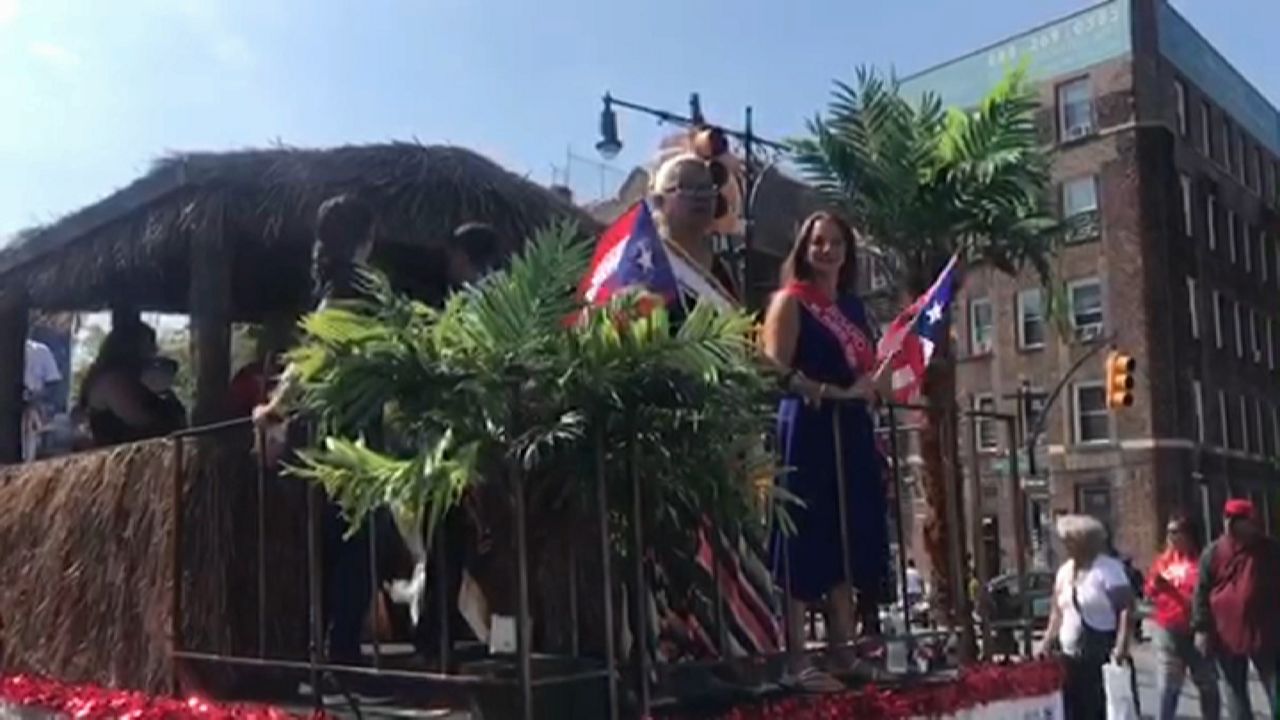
<point x="926" y="183"/>
<point x="516" y="386"/>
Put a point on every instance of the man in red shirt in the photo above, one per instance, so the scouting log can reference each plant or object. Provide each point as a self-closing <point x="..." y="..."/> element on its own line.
<point x="1171" y="586"/>
<point x="1234" y="610"/>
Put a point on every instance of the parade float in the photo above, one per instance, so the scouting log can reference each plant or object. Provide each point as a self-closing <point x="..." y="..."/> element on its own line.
<point x="164" y="578"/>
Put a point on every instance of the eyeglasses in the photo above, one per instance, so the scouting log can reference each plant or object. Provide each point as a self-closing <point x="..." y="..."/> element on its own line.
<point x="719" y="177"/>
<point x="694" y="191"/>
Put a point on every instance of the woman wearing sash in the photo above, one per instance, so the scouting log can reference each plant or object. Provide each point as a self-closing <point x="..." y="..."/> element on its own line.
<point x="819" y="332"/>
<point x="684" y="193"/>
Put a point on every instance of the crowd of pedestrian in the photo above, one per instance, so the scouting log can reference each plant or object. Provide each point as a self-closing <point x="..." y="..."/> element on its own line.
<point x="1210" y="610"/>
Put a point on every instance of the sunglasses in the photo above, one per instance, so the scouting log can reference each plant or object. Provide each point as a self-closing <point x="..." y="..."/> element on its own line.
<point x="719" y="177"/>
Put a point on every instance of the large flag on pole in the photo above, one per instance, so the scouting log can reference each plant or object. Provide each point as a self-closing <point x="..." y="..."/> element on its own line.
<point x="909" y="343"/>
<point x="630" y="256"/>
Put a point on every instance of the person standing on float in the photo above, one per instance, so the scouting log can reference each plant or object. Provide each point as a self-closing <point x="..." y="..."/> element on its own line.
<point x="685" y="197"/>
<point x="345" y="232"/>
<point x="819" y="331"/>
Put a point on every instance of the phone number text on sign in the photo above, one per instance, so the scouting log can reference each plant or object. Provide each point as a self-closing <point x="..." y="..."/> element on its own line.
<point x="1049" y="37"/>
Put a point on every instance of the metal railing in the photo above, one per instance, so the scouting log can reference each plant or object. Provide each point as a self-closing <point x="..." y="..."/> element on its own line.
<point x="642" y="667"/>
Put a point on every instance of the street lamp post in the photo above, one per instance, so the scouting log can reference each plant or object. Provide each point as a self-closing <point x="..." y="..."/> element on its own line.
<point x="610" y="145"/>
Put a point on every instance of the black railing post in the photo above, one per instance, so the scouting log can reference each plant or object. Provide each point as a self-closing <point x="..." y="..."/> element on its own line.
<point x="523" y="621"/>
<point x="606" y="569"/>
<point x="443" y="616"/>
<point x="178" y="503"/>
<point x="1018" y="516"/>
<point x="262" y="540"/>
<point x="846" y="563"/>
<point x="899" y="494"/>
<point x="639" y="593"/>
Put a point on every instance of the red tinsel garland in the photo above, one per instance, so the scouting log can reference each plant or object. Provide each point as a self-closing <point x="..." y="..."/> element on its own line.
<point x="90" y="702"/>
<point x="977" y="685"/>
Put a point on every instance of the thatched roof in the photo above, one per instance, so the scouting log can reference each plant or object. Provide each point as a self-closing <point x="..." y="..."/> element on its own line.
<point x="131" y="247"/>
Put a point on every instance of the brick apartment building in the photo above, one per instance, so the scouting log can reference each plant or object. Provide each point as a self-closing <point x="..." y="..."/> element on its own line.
<point x="1170" y="158"/>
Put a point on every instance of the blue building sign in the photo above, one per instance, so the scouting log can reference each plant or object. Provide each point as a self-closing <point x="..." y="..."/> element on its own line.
<point x="1205" y="67"/>
<point x="1073" y="43"/>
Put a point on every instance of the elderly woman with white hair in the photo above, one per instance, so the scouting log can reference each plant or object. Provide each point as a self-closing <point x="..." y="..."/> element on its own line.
<point x="685" y="194"/>
<point x="1091" y="617"/>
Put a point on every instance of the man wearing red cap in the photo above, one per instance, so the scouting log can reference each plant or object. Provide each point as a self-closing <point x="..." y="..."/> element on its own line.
<point x="1239" y="578"/>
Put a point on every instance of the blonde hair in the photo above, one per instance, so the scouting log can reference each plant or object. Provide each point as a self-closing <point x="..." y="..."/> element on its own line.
<point x="1084" y="529"/>
<point x="666" y="170"/>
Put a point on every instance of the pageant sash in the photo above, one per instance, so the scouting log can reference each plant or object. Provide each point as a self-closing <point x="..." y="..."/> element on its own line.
<point x="859" y="351"/>
<point x="696" y="282"/>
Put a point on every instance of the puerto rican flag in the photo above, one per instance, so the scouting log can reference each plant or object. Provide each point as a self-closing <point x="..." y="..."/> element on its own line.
<point x="630" y="255"/>
<point x="908" y="345"/>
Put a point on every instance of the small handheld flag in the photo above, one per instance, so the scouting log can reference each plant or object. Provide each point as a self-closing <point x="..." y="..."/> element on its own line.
<point x="909" y="343"/>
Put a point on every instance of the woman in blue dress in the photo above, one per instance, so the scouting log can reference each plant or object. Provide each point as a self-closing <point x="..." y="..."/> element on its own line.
<point x="819" y="333"/>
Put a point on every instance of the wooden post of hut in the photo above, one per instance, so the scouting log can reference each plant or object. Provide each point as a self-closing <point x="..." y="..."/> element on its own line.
<point x="13" y="345"/>
<point x="210" y="314"/>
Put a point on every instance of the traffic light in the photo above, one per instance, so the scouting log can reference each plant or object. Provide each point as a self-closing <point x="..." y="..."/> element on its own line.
<point x="1120" y="369"/>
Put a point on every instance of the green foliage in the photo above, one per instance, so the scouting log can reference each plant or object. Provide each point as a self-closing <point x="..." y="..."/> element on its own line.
<point x="516" y="371"/>
<point x="924" y="182"/>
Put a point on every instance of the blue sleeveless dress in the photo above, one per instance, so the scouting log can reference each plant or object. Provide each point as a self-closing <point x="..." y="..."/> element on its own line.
<point x="809" y="563"/>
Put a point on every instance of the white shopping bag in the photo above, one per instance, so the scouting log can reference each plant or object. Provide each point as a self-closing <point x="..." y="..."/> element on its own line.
<point x="1122" y="700"/>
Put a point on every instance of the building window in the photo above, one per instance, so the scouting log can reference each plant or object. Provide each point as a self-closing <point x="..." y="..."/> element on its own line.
<point x="1231" y="235"/>
<point x="1263" y="262"/>
<point x="1237" y="150"/>
<point x="1275" y="183"/>
<point x="1246" y="245"/>
<point x="1094" y="500"/>
<point x="1275" y="254"/>
<point x="981" y="319"/>
<point x="1275" y="428"/>
<point x="1224" y="420"/>
<point x="1259" y="428"/>
<point x="1079" y="196"/>
<point x="1246" y="435"/>
<point x="1092" y="419"/>
<point x="1271" y="347"/>
<point x="1086" y="308"/>
<point x="1031" y="328"/>
<point x="1080" y="208"/>
<point x="1211" y="220"/>
<point x="1236" y="316"/>
<point x="1193" y="306"/>
<point x="1180" y="105"/>
<point x="1269" y="182"/>
<point x="1206" y="129"/>
<point x="1075" y="109"/>
<point x="1217" y="318"/>
<point x="1197" y="407"/>
<point x="986" y="427"/>
<point x="1184" y="183"/>
<point x="1254" y="339"/>
<point x="1264" y="433"/>
<point x="1226" y="143"/>
<point x="1255" y="169"/>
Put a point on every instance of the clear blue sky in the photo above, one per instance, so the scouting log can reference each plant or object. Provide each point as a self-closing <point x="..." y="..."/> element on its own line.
<point x="91" y="91"/>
